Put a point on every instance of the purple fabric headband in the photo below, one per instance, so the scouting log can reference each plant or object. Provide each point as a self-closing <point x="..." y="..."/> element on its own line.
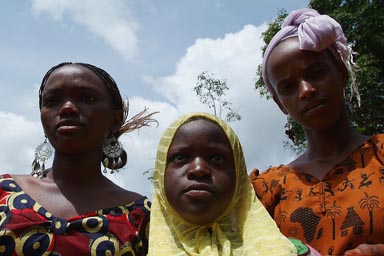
<point x="316" y="33"/>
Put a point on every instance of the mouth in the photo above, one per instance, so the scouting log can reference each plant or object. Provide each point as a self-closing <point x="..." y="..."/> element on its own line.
<point x="67" y="126"/>
<point x="199" y="191"/>
<point x="313" y="106"/>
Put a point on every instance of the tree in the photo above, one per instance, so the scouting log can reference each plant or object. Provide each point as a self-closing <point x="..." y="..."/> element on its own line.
<point x="211" y="92"/>
<point x="363" y="25"/>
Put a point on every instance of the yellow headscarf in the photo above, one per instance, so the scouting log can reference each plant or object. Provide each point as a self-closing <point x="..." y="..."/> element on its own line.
<point x="245" y="228"/>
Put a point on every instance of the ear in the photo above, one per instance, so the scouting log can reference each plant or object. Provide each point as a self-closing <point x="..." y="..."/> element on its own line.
<point x="277" y="101"/>
<point x="117" y="120"/>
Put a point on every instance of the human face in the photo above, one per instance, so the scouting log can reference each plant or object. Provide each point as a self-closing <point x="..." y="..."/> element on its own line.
<point x="309" y="85"/>
<point x="199" y="179"/>
<point x="76" y="110"/>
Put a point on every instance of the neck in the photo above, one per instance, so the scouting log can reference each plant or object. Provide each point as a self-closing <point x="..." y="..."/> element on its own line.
<point x="79" y="168"/>
<point x="334" y="141"/>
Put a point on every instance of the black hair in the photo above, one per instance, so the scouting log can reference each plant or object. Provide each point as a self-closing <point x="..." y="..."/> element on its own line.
<point x="101" y="73"/>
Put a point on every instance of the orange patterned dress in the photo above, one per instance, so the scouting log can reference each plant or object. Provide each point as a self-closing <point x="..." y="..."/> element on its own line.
<point x="338" y="213"/>
<point x="26" y="228"/>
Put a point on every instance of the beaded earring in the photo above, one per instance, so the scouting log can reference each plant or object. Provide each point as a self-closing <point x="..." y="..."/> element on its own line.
<point x="114" y="155"/>
<point x="42" y="153"/>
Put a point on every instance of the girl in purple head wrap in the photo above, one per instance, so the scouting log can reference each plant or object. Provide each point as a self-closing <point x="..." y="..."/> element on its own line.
<point x="328" y="196"/>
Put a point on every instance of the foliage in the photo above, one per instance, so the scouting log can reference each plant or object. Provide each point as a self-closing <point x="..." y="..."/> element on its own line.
<point x="363" y="25"/>
<point x="273" y="27"/>
<point x="211" y="92"/>
<point x="149" y="173"/>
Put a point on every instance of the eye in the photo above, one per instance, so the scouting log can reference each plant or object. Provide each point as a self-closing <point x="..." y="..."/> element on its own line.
<point x="217" y="157"/>
<point x="88" y="98"/>
<point x="286" y="87"/>
<point x="177" y="158"/>
<point x="49" y="100"/>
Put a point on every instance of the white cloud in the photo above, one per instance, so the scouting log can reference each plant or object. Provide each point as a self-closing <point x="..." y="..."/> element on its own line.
<point x="235" y="58"/>
<point x="18" y="139"/>
<point x="110" y="20"/>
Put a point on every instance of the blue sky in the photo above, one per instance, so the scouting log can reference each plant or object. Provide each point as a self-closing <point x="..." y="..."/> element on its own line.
<point x="154" y="50"/>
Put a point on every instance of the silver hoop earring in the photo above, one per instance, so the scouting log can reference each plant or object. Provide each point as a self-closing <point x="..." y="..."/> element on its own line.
<point x="42" y="153"/>
<point x="114" y="155"/>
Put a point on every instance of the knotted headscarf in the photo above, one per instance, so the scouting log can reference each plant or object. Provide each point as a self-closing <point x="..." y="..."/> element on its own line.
<point x="245" y="228"/>
<point x="315" y="33"/>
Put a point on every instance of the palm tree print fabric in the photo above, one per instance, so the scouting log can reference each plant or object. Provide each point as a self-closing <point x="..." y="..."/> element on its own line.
<point x="338" y="213"/>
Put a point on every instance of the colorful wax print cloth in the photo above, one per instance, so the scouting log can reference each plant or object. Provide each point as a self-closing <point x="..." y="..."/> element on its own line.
<point x="26" y="228"/>
<point x="245" y="228"/>
<point x="338" y="213"/>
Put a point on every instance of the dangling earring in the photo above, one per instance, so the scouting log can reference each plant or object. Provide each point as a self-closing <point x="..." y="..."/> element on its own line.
<point x="114" y="155"/>
<point x="42" y="153"/>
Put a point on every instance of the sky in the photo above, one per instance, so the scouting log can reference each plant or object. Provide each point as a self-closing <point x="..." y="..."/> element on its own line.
<point x="154" y="50"/>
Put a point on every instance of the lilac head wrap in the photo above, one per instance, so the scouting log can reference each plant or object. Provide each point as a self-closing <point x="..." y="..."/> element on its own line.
<point x="315" y="33"/>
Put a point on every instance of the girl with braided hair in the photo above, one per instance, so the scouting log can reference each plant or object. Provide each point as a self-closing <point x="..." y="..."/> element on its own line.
<point x="72" y="208"/>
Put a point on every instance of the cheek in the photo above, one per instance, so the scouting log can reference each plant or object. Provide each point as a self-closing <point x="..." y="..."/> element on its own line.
<point x="227" y="185"/>
<point x="170" y="182"/>
<point x="46" y="119"/>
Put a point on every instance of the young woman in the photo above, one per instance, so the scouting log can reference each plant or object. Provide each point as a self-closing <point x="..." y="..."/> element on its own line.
<point x="72" y="208"/>
<point x="203" y="202"/>
<point x="329" y="196"/>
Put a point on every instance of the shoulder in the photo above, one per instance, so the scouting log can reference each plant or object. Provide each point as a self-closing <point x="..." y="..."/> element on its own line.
<point x="270" y="172"/>
<point x="378" y="140"/>
<point x="378" y="143"/>
<point x="261" y="181"/>
<point x="142" y="201"/>
<point x="12" y="181"/>
<point x="129" y="198"/>
<point x="8" y="185"/>
<point x="26" y="182"/>
<point x="140" y="208"/>
<point x="5" y="176"/>
<point x="139" y="214"/>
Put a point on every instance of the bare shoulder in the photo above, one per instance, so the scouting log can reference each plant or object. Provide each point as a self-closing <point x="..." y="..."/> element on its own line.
<point x="123" y="195"/>
<point x="24" y="181"/>
<point x="130" y="196"/>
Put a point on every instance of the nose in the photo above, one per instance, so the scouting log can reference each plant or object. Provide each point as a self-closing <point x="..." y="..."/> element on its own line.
<point x="68" y="108"/>
<point x="199" y="169"/>
<point x="306" y="89"/>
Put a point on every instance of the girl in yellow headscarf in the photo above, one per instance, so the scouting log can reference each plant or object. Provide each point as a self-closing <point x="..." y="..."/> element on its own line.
<point x="203" y="201"/>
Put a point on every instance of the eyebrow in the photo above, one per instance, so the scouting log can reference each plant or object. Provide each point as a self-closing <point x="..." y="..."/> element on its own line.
<point x="83" y="87"/>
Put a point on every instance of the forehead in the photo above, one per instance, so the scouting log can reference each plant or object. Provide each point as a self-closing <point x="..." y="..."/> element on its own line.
<point x="200" y="127"/>
<point x="200" y="133"/>
<point x="289" y="50"/>
<point x="287" y="58"/>
<point x="74" y="75"/>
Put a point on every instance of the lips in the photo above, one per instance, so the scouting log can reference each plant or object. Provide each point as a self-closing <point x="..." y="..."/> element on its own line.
<point x="199" y="191"/>
<point x="313" y="105"/>
<point x="68" y="125"/>
<point x="199" y="187"/>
